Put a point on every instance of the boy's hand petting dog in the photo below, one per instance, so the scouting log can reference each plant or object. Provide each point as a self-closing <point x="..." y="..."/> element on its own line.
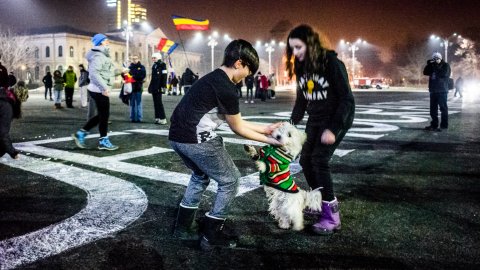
<point x="261" y="166"/>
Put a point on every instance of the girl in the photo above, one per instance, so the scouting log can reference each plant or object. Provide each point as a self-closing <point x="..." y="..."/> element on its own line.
<point x="323" y="91"/>
<point x="58" y="84"/>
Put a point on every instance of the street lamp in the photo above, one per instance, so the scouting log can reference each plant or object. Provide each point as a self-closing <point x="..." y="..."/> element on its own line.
<point x="269" y="48"/>
<point x="127" y="31"/>
<point x="212" y="43"/>
<point x="444" y="42"/>
<point x="352" y="46"/>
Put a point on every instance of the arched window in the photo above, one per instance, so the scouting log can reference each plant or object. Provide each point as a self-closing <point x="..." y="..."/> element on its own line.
<point x="47" y="69"/>
<point x="71" y="51"/>
<point x="123" y="57"/>
<point x="47" y="52"/>
<point x="37" y="73"/>
<point x="37" y="52"/>
<point x="60" y="68"/>
<point x="116" y="56"/>
<point x="60" y="51"/>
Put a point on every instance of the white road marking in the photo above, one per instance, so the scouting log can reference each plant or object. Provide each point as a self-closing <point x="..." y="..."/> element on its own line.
<point x="112" y="204"/>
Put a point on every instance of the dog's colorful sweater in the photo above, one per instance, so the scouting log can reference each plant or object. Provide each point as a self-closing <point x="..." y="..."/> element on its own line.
<point x="277" y="174"/>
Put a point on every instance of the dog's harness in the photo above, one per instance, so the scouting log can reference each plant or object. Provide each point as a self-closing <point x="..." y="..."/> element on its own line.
<point x="277" y="174"/>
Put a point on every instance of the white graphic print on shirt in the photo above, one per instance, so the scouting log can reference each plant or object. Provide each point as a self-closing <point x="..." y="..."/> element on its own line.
<point x="314" y="87"/>
<point x="208" y="123"/>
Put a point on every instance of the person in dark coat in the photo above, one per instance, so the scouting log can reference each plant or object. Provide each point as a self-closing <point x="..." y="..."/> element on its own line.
<point x="157" y="86"/>
<point x="12" y="80"/>
<point x="8" y="102"/>
<point x="188" y="79"/>
<point x="137" y="70"/>
<point x="249" y="81"/>
<point x="459" y="87"/>
<point x="439" y="74"/>
<point x="324" y="93"/>
<point x="48" y="82"/>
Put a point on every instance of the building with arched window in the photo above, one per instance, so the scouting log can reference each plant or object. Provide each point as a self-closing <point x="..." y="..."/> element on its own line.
<point x="53" y="40"/>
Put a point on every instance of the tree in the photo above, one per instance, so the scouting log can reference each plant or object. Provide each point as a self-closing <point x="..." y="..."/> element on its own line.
<point x="468" y="64"/>
<point x="15" y="52"/>
<point x="411" y="58"/>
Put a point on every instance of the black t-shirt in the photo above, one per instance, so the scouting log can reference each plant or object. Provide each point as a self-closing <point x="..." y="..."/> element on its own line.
<point x="202" y="109"/>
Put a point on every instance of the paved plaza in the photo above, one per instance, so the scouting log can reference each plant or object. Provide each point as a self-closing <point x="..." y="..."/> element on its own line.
<point x="409" y="198"/>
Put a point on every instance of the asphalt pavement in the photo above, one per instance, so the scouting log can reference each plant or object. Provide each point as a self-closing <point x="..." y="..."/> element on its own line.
<point x="409" y="198"/>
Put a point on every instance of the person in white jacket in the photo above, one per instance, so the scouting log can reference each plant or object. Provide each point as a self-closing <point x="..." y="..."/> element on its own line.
<point x="101" y="75"/>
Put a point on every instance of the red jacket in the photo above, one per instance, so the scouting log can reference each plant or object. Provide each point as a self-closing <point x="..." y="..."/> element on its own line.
<point x="263" y="82"/>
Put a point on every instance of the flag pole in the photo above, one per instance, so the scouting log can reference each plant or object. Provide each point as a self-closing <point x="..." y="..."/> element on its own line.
<point x="183" y="47"/>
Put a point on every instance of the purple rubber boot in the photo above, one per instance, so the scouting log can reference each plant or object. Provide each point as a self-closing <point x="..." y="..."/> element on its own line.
<point x="329" y="221"/>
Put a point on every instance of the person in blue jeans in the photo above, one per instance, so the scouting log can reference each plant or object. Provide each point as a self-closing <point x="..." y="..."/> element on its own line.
<point x="138" y="72"/>
<point x="101" y="75"/>
<point x="211" y="101"/>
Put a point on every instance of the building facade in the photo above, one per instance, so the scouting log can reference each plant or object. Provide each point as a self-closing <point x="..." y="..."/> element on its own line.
<point x="63" y="47"/>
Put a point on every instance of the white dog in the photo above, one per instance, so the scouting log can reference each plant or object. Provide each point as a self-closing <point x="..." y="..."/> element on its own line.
<point x="286" y="199"/>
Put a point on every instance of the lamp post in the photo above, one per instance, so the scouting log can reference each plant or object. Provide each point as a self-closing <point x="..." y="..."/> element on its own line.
<point x="212" y="43"/>
<point x="269" y="49"/>
<point x="353" y="47"/>
<point x="127" y="31"/>
<point x="445" y="42"/>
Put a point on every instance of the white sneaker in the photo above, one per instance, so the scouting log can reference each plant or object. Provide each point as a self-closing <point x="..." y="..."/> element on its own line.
<point x="246" y="101"/>
<point x="251" y="101"/>
<point x="162" y="121"/>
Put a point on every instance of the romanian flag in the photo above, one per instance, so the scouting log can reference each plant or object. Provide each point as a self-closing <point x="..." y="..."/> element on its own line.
<point x="183" y="23"/>
<point x="166" y="45"/>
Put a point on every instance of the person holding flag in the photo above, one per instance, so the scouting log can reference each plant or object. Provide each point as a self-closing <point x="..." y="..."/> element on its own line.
<point x="157" y="86"/>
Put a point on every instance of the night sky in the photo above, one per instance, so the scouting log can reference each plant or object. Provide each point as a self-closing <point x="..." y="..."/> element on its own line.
<point x="382" y="23"/>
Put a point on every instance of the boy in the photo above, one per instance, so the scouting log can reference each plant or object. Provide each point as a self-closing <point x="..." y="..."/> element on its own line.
<point x="211" y="101"/>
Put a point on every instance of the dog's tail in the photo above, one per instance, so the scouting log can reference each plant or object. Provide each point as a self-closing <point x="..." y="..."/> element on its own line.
<point x="313" y="200"/>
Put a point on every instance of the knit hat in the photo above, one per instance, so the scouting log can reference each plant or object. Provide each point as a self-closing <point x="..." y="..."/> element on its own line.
<point x="436" y="55"/>
<point x="157" y="55"/>
<point x="98" y="39"/>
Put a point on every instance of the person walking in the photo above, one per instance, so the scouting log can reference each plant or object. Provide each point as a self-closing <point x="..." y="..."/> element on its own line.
<point x="439" y="74"/>
<point x="249" y="81"/>
<point x="211" y="101"/>
<point x="9" y="109"/>
<point x="70" y="79"/>
<point x="138" y="72"/>
<point x="459" y="87"/>
<point x="157" y="86"/>
<point x="323" y="91"/>
<point x="58" y="84"/>
<point x="101" y="74"/>
<point x="83" y="83"/>
<point x="48" y="82"/>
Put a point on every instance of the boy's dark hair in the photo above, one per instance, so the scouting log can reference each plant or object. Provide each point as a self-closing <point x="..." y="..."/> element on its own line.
<point x="241" y="50"/>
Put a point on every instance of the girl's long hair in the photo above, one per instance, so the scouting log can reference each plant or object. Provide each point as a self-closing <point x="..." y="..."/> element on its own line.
<point x="316" y="54"/>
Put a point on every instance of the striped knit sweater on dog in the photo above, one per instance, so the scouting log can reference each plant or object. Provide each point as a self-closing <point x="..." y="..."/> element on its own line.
<point x="277" y="174"/>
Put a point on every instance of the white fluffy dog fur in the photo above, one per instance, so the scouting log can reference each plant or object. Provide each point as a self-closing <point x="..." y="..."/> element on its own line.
<point x="287" y="208"/>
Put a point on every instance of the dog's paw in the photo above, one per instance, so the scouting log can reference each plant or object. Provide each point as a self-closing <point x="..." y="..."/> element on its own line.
<point x="251" y="151"/>
<point x="283" y="224"/>
<point x="261" y="167"/>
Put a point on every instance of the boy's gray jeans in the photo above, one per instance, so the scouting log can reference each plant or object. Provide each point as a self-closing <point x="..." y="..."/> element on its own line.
<point x="209" y="160"/>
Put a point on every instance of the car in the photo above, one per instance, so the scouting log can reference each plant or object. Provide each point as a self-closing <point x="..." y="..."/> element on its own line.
<point x="379" y="84"/>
